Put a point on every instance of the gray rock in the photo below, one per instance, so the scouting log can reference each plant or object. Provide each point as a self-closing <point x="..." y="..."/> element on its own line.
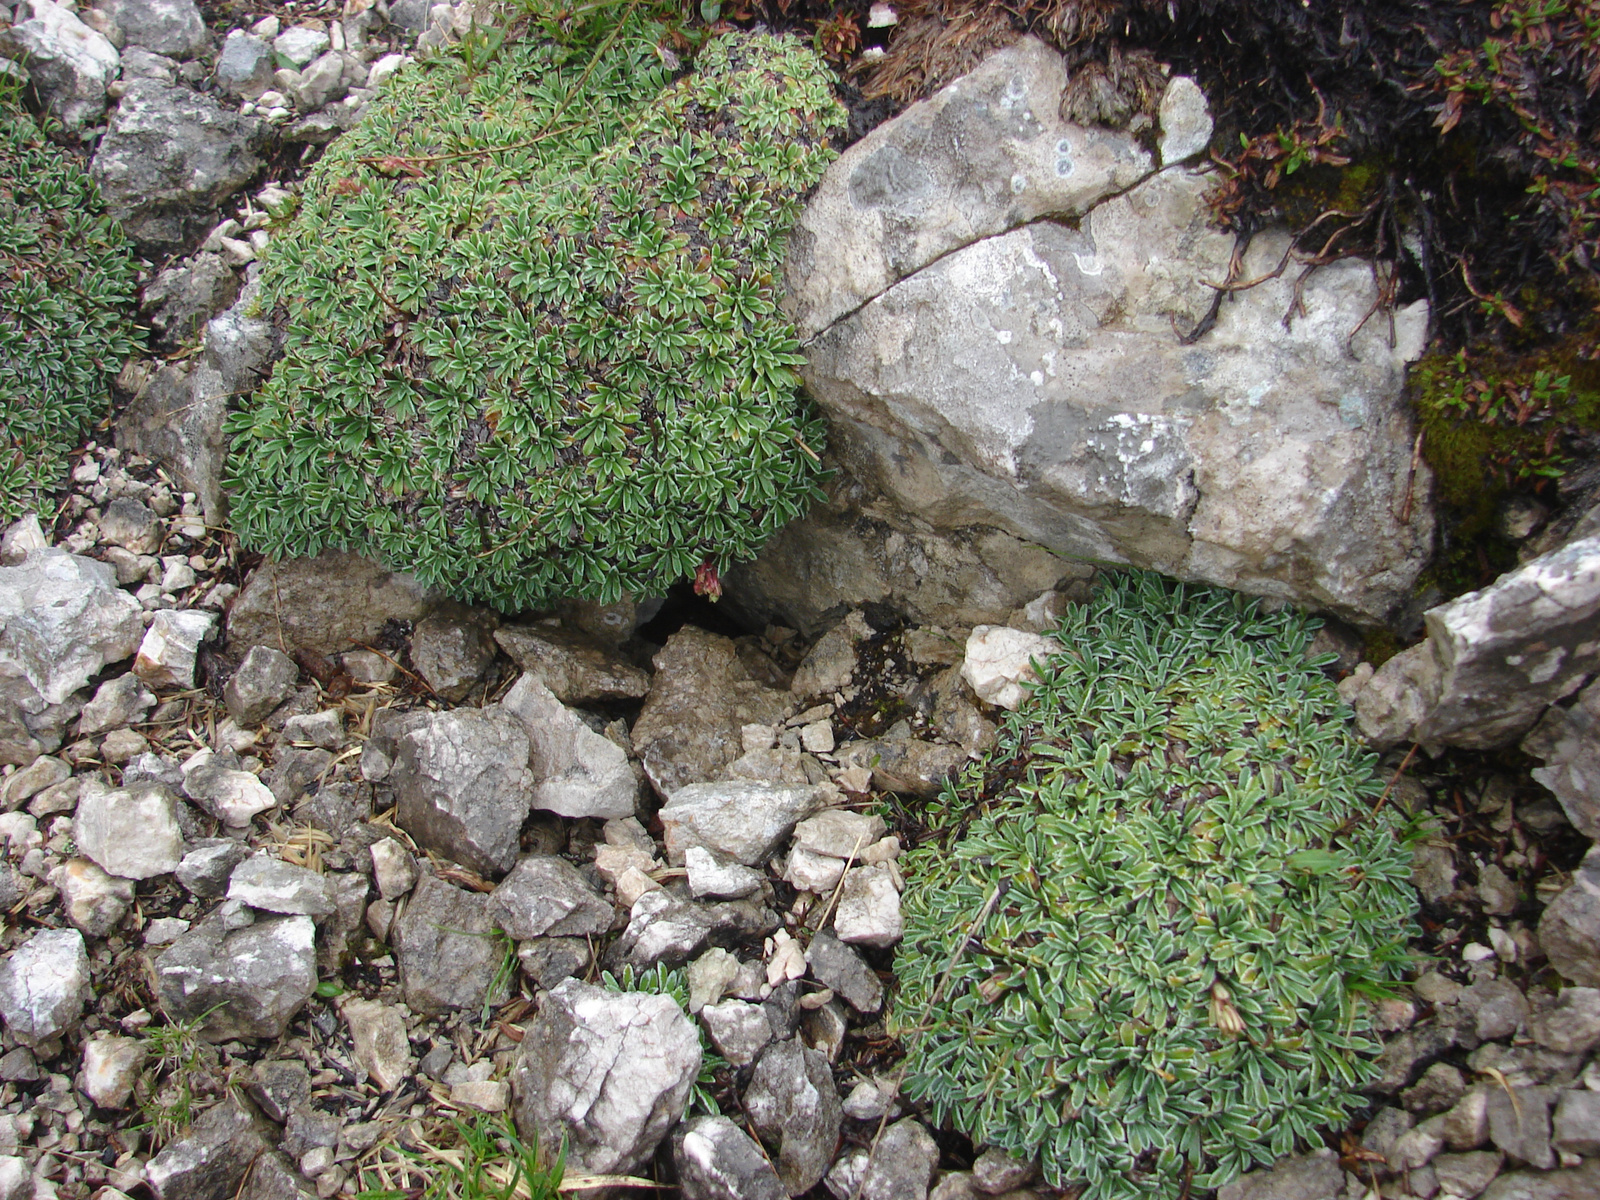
<point x="868" y="912"/>
<point x="322" y="81"/>
<point x="452" y="647"/>
<point x="63" y="619"/>
<point x="859" y="549"/>
<point x="1569" y="930"/>
<point x="702" y="695"/>
<point x="1415" y="1149"/>
<point x="177" y="418"/>
<point x="1439" y="1088"/>
<point x="324" y="730"/>
<point x="170" y="651"/>
<point x="170" y="156"/>
<point x="738" y="1030"/>
<point x="1575" y="1129"/>
<point x="274" y="1177"/>
<point x="446" y="949"/>
<point x="205" y="869"/>
<point x="300" y="45"/>
<point x="900" y="1166"/>
<point x="231" y="796"/>
<point x="95" y="902"/>
<point x="43" y="774"/>
<point x="996" y="1172"/>
<point x="547" y="961"/>
<point x="744" y="821"/>
<point x="574" y="668"/>
<point x="128" y="523"/>
<point x="716" y="1160"/>
<point x="69" y="63"/>
<point x="984" y="155"/>
<point x="577" y="772"/>
<point x="1568" y="740"/>
<point x="838" y="967"/>
<point x="117" y="703"/>
<point x="245" y="66"/>
<point x="43" y="985"/>
<point x="1185" y="121"/>
<point x="252" y="981"/>
<point x="1508" y="651"/>
<point x="906" y="765"/>
<point x="1496" y="1007"/>
<point x="545" y="896"/>
<point x="793" y="1105"/>
<point x="462" y="786"/>
<point x="394" y="870"/>
<point x="378" y="1034"/>
<point x="610" y="1072"/>
<point x="263" y="680"/>
<point x="711" y="876"/>
<point x="111" y="1067"/>
<point x="662" y="928"/>
<point x="830" y="664"/>
<point x="272" y="885"/>
<point x="1519" y="1124"/>
<point x="990" y="388"/>
<point x="1572" y="1024"/>
<point x="170" y="27"/>
<point x="1580" y="1183"/>
<point x="179" y="301"/>
<point x="1466" y="1175"/>
<point x="839" y="833"/>
<point x="326" y="604"/>
<point x="130" y="832"/>
<point x="1314" y="1176"/>
<point x="280" y="1086"/>
<point x="210" y="1161"/>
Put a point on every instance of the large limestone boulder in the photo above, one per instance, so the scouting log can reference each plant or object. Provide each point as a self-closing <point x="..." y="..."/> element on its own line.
<point x="984" y="363"/>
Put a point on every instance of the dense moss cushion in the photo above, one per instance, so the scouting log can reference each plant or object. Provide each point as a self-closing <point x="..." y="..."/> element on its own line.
<point x="66" y="299"/>
<point x="532" y="347"/>
<point x="1181" y="889"/>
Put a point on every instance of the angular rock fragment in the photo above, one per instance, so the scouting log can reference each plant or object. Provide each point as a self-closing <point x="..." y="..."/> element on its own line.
<point x="577" y="772"/>
<point x="716" y="1160"/>
<point x="62" y="620"/>
<point x="210" y="1161"/>
<point x="272" y="885"/>
<point x="746" y="822"/>
<point x="263" y="680"/>
<point x="130" y="832"/>
<point x="247" y="982"/>
<point x="446" y="949"/>
<point x="452" y="647"/>
<point x="69" y="63"/>
<point x="545" y="896"/>
<point x="170" y="650"/>
<point x="43" y="985"/>
<point x="575" y="669"/>
<point x="794" y="1107"/>
<point x="462" y="786"/>
<point x="610" y="1072"/>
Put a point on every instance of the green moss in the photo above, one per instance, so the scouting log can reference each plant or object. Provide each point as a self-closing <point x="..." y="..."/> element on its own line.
<point x="1496" y="422"/>
<point x="533" y="346"/>
<point x="66" y="292"/>
<point x="1178" y="884"/>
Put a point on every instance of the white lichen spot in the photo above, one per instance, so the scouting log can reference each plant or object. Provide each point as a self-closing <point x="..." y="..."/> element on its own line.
<point x="1019" y="184"/>
<point x="1064" y="163"/>
<point x="1003" y="336"/>
<point x="1088" y="264"/>
<point x="1036" y="378"/>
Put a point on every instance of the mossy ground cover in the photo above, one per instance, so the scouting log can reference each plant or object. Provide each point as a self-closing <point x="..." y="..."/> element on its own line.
<point x="1140" y="943"/>
<point x="532" y="341"/>
<point x="66" y="298"/>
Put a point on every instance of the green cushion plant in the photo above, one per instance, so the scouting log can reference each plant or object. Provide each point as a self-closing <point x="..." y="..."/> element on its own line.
<point x="532" y="346"/>
<point x="66" y="298"/>
<point x="1182" y="880"/>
